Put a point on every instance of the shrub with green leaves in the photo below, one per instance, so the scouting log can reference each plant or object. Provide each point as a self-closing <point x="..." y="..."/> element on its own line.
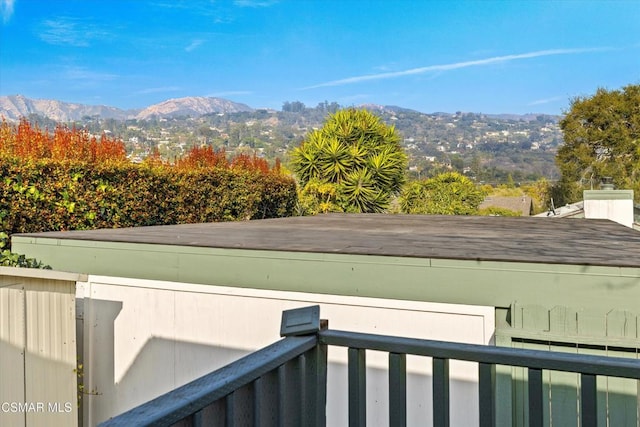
<point x="10" y="259"/>
<point x="497" y="211"/>
<point x="48" y="195"/>
<point x="449" y="193"/>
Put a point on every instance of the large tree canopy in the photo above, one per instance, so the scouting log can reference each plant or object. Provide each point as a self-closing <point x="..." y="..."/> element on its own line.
<point x="602" y="139"/>
<point x="354" y="163"/>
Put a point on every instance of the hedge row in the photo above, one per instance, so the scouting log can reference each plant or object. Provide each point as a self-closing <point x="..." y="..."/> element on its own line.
<point x="48" y="195"/>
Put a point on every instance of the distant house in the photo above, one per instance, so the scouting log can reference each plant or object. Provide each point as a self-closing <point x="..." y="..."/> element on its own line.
<point x="520" y="204"/>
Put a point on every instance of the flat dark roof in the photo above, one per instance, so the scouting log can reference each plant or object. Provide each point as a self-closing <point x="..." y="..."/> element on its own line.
<point x="516" y="239"/>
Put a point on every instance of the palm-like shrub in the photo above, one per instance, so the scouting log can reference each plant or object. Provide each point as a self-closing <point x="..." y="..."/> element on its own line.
<point x="355" y="154"/>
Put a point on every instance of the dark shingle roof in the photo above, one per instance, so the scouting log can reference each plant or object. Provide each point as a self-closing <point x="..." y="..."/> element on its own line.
<point x="517" y="239"/>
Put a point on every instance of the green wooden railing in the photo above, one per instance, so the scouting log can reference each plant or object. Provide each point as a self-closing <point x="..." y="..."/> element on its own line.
<point x="284" y="384"/>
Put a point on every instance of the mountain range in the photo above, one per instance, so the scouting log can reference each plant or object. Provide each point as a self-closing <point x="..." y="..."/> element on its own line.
<point x="14" y="107"/>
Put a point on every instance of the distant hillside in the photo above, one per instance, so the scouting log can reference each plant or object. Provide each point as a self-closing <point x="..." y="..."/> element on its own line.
<point x="387" y="108"/>
<point x="194" y="106"/>
<point x="16" y="106"/>
<point x="523" y="117"/>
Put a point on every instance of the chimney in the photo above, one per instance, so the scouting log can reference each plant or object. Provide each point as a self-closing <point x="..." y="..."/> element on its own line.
<point x="608" y="203"/>
<point x="607" y="183"/>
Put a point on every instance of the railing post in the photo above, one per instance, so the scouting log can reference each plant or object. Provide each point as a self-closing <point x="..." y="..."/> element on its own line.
<point x="588" y="401"/>
<point x="536" y="412"/>
<point x="357" y="388"/>
<point x="315" y="385"/>
<point x="312" y="368"/>
<point x="440" y="392"/>
<point x="397" y="389"/>
<point x="486" y="391"/>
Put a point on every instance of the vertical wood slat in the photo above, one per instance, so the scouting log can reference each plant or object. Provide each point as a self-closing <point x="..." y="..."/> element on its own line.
<point x="196" y="419"/>
<point x="291" y="383"/>
<point x="294" y="385"/>
<point x="229" y="418"/>
<point x="536" y="411"/>
<point x="440" y="392"/>
<point x="397" y="389"/>
<point x="588" y="401"/>
<point x="13" y="334"/>
<point x="305" y="392"/>
<point x="486" y="392"/>
<point x="281" y="396"/>
<point x="315" y="379"/>
<point x="50" y="350"/>
<point x="267" y="400"/>
<point x="258" y="401"/>
<point x="357" y="388"/>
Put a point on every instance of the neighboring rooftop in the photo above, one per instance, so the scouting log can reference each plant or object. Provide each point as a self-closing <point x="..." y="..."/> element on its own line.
<point x="570" y="210"/>
<point x="515" y="239"/>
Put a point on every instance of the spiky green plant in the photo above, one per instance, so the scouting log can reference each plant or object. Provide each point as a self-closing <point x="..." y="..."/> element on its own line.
<point x="356" y="153"/>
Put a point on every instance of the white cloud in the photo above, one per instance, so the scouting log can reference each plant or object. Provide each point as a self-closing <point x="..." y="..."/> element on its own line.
<point x="359" y="97"/>
<point x="453" y="66"/>
<point x="66" y="31"/>
<point x="85" y="75"/>
<point x="548" y="100"/>
<point x="207" y="8"/>
<point x="6" y="10"/>
<point x="230" y="93"/>
<point x="255" y="3"/>
<point x="158" y="90"/>
<point x="194" y="45"/>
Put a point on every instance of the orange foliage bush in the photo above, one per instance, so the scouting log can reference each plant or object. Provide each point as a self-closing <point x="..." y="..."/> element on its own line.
<point x="27" y="141"/>
<point x="203" y="157"/>
<point x="244" y="161"/>
<point x="207" y="157"/>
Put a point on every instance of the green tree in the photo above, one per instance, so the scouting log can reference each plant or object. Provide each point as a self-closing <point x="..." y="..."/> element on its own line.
<point x="601" y="139"/>
<point x="510" y="182"/>
<point x="449" y="193"/>
<point x="357" y="154"/>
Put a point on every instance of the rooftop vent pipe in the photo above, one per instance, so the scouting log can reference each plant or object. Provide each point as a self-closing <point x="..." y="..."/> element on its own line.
<point x="607" y="183"/>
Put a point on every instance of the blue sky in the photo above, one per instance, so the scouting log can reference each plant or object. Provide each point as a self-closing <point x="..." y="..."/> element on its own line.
<point x="475" y="56"/>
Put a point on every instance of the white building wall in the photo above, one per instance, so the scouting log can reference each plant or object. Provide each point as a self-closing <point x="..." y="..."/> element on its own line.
<point x="614" y="205"/>
<point x="143" y="338"/>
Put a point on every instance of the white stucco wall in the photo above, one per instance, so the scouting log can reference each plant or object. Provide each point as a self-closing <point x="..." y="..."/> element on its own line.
<point x="614" y="205"/>
<point x="142" y="338"/>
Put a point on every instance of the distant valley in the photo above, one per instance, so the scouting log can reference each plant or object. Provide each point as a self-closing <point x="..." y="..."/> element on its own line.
<point x="489" y="148"/>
